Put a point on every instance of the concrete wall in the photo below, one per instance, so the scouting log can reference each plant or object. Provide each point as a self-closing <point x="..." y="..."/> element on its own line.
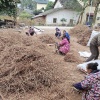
<point x="39" y="6"/>
<point x="67" y="14"/>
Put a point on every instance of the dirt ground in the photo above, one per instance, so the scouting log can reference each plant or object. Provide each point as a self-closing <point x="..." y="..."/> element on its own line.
<point x="70" y="74"/>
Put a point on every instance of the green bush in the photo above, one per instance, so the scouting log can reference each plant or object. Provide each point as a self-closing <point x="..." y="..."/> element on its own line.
<point x="24" y="15"/>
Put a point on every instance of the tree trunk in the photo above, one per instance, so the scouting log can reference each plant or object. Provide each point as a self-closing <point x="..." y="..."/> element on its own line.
<point x="95" y="12"/>
<point x="15" y="15"/>
<point x="80" y="18"/>
<point x="15" y="21"/>
<point x="81" y="14"/>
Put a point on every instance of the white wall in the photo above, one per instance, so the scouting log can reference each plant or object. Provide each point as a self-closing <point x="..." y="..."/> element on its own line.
<point x="67" y="14"/>
<point x="39" y="6"/>
<point x="58" y="5"/>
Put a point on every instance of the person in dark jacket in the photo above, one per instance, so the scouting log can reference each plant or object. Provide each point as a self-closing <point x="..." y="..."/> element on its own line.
<point x="94" y="44"/>
<point x="58" y="33"/>
<point x="31" y="31"/>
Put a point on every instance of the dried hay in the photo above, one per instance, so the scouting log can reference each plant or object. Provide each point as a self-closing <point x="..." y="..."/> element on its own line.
<point x="24" y="66"/>
<point x="71" y="57"/>
<point x="82" y="32"/>
<point x="47" y="39"/>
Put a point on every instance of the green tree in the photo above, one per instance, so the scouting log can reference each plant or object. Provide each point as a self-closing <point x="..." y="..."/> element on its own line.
<point x="9" y="7"/>
<point x="72" y="4"/>
<point x="31" y="4"/>
<point x="25" y="14"/>
<point x="49" y="5"/>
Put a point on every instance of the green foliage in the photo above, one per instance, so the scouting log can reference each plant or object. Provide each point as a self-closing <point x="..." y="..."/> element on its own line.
<point x="25" y="15"/>
<point x="36" y="12"/>
<point x="31" y="4"/>
<point x="49" y="5"/>
<point x="9" y="7"/>
<point x="72" y="4"/>
<point x="63" y="20"/>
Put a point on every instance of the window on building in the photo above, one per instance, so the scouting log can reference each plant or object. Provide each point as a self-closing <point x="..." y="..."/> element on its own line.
<point x="54" y="20"/>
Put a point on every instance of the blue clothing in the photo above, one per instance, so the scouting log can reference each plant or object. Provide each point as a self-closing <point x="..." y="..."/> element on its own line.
<point x="78" y="86"/>
<point x="67" y="36"/>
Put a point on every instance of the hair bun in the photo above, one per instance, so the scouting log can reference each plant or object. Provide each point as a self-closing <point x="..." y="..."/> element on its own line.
<point x="96" y="64"/>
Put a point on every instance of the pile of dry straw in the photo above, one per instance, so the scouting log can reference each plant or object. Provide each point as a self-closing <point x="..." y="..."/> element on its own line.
<point x="24" y="65"/>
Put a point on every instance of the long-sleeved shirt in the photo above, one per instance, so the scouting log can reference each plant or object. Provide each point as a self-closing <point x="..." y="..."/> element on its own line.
<point x="64" y="46"/>
<point x="91" y="85"/>
<point x="96" y="40"/>
<point x="67" y="36"/>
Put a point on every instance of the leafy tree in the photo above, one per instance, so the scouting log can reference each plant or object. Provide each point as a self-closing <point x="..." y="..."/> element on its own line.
<point x="72" y="4"/>
<point x="9" y="7"/>
<point x="36" y="12"/>
<point x="31" y="4"/>
<point x="25" y="15"/>
<point x="49" y="5"/>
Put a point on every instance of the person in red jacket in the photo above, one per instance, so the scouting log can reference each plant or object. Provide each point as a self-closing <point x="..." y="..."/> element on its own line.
<point x="63" y="46"/>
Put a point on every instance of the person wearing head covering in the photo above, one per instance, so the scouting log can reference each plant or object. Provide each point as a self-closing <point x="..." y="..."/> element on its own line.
<point x="31" y="31"/>
<point x="66" y="34"/>
<point x="58" y="33"/>
<point x="90" y="86"/>
<point x="63" y="46"/>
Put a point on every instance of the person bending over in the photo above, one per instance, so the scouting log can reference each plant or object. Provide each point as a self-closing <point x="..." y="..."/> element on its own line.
<point x="31" y="31"/>
<point x="58" y="33"/>
<point x="94" y="44"/>
<point x="90" y="86"/>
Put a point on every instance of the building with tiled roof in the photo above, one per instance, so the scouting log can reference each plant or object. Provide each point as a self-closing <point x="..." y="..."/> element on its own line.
<point x="55" y="15"/>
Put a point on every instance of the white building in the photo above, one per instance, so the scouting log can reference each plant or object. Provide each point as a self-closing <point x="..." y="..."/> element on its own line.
<point x="54" y="16"/>
<point x="41" y="4"/>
